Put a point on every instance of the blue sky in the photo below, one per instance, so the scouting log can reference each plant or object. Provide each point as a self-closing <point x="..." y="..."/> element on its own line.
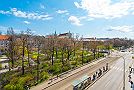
<point x="90" y="18"/>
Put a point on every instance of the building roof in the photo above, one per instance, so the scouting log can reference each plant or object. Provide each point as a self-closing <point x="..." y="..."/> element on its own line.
<point x="4" y="37"/>
<point x="64" y="34"/>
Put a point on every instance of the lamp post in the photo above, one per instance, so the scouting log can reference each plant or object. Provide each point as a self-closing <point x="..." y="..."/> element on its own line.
<point x="124" y="74"/>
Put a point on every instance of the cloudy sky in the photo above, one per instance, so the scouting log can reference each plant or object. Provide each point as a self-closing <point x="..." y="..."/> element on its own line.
<point x="90" y="18"/>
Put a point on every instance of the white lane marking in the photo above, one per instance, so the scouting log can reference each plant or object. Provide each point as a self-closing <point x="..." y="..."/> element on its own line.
<point x="118" y="68"/>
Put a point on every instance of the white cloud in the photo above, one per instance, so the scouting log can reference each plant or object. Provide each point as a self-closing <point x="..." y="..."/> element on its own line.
<point x="106" y="8"/>
<point x="22" y="14"/>
<point x="74" y="20"/>
<point x="124" y="28"/>
<point x="4" y="12"/>
<point x="86" y="18"/>
<point x="26" y="22"/>
<point x="42" y="6"/>
<point x="62" y="11"/>
<point x="77" y="4"/>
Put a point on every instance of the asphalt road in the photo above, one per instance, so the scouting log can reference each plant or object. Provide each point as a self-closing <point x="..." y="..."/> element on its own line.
<point x="113" y="80"/>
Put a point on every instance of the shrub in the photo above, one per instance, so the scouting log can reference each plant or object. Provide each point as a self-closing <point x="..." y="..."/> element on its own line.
<point x="14" y="87"/>
<point x="0" y="66"/>
<point x="44" y="76"/>
<point x="19" y="83"/>
<point x="55" y="69"/>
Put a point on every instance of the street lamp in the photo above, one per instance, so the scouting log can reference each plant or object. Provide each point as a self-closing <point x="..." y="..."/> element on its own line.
<point x="124" y="74"/>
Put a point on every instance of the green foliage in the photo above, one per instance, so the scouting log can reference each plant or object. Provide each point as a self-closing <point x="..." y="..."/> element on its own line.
<point x="0" y="66"/>
<point x="101" y="47"/>
<point x="35" y="54"/>
<point x="44" y="75"/>
<point x="55" y="69"/>
<point x="14" y="87"/>
<point x="66" y="67"/>
<point x="19" y="83"/>
<point x="14" y="80"/>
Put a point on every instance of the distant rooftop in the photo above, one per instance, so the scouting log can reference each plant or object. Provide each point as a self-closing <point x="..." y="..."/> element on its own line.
<point x="63" y="34"/>
<point x="4" y="37"/>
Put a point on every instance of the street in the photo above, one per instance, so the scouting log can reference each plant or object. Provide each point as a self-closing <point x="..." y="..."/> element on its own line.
<point x="113" y="80"/>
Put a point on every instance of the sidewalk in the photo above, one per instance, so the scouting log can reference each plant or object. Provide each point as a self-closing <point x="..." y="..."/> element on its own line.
<point x="45" y="85"/>
<point x="128" y="84"/>
<point x="2" y="61"/>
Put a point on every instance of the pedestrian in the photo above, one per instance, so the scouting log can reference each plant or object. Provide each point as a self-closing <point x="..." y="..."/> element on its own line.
<point x="94" y="77"/>
<point x="103" y="69"/>
<point x="106" y="66"/>
<point x="5" y="66"/>
<point x="131" y="84"/>
<point x="57" y="76"/>
<point x="129" y="77"/>
<point x="131" y="70"/>
<point x="96" y="73"/>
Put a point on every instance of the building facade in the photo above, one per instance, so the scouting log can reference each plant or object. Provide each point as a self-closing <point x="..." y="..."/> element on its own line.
<point x="3" y="43"/>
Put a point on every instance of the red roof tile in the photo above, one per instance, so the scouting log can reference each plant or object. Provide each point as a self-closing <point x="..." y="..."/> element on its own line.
<point x="4" y="37"/>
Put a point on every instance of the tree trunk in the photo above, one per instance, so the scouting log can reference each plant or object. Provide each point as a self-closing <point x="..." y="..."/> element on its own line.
<point x="28" y="55"/>
<point x="56" y="53"/>
<point x="23" y="54"/>
<point x="82" y="54"/>
<point x="74" y="49"/>
<point x="52" y="56"/>
<point x="38" y="65"/>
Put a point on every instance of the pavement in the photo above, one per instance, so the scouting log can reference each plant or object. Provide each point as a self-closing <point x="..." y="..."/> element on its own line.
<point x="113" y="80"/>
<point x="128" y="84"/>
<point x="2" y="60"/>
<point x="64" y="82"/>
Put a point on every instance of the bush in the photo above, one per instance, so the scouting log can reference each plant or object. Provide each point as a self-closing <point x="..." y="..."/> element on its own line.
<point x="19" y="83"/>
<point x="55" y="69"/>
<point x="66" y="67"/>
<point x="44" y="76"/>
<point x="0" y="66"/>
<point x="13" y="87"/>
<point x="45" y="66"/>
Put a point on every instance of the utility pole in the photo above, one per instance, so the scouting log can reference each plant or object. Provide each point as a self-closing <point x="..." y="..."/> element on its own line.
<point x="124" y="74"/>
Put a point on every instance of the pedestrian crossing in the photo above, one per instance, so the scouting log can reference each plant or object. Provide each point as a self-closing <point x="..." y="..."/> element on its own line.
<point x="118" y="68"/>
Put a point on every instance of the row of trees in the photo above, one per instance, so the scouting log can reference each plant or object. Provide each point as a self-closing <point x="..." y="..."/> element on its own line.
<point x="23" y="45"/>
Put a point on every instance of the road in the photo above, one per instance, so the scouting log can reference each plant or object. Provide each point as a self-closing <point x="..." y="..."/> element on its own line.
<point x="67" y="83"/>
<point x="113" y="80"/>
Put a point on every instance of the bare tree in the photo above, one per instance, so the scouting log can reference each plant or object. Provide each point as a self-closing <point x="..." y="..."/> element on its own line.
<point x="29" y="44"/>
<point x="11" y="46"/>
<point x="38" y="42"/>
<point x="23" y="45"/>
